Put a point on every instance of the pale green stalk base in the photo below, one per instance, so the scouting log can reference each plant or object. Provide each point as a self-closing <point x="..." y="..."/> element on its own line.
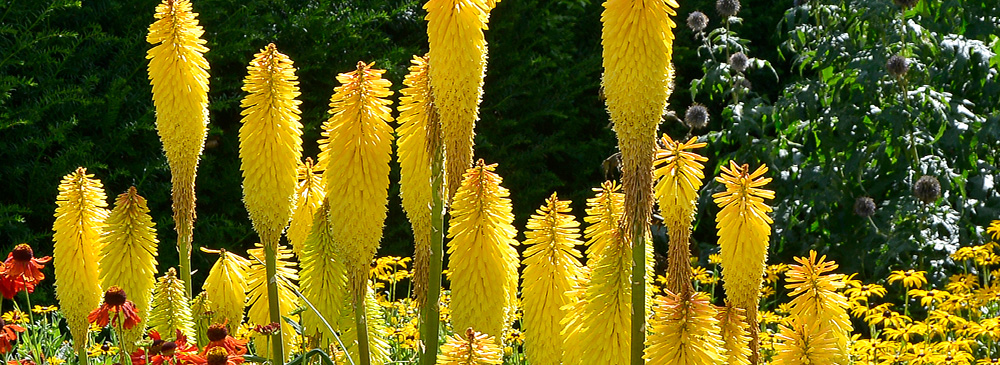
<point x="270" y="263"/>
<point x="638" y="291"/>
<point x="429" y="316"/>
<point x="364" y="353"/>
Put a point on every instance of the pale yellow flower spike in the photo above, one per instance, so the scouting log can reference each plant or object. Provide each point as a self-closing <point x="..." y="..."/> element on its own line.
<point x="226" y="288"/>
<point x="684" y="332"/>
<point x="816" y="302"/>
<point x="805" y="344"/>
<point x="355" y="154"/>
<point x="416" y="114"/>
<point x="378" y="334"/>
<point x="552" y="268"/>
<point x="270" y="142"/>
<point x="679" y="176"/>
<point x="309" y="195"/>
<point x="178" y="73"/>
<point x="259" y="312"/>
<point x="603" y="213"/>
<point x="170" y="310"/>
<point x="129" y="256"/>
<point x="733" y="329"/>
<point x="483" y="262"/>
<point x="458" y="65"/>
<point x="324" y="278"/>
<point x="80" y="215"/>
<point x="474" y="349"/>
<point x="744" y="230"/>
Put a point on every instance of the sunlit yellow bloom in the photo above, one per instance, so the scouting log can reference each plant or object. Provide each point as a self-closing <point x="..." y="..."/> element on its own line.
<point x="805" y="344"/>
<point x="679" y="177"/>
<point x="733" y="329"/>
<point x="861" y="292"/>
<point x="309" y="194"/>
<point x="419" y="135"/>
<point x="44" y="309"/>
<point x="882" y="315"/>
<point x="15" y="316"/>
<point x="928" y="297"/>
<point x="324" y="278"/>
<point x="355" y="153"/>
<point x="56" y="361"/>
<point x="922" y="353"/>
<point x="226" y="287"/>
<point x="684" y="331"/>
<point x="817" y="303"/>
<point x="603" y="213"/>
<point x="104" y="349"/>
<point x="258" y="301"/>
<point x="474" y="349"/>
<point x="715" y="259"/>
<point x="910" y="278"/>
<point x="378" y="334"/>
<point x="962" y="283"/>
<point x="905" y="333"/>
<point x="170" y="310"/>
<point x="483" y="260"/>
<point x="80" y="215"/>
<point x="994" y="229"/>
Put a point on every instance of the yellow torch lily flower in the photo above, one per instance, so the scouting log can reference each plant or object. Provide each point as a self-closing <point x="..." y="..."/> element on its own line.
<point x="355" y="153"/>
<point x="259" y="312"/>
<point x="324" y="278"/>
<point x="552" y="268"/>
<point x="733" y="328"/>
<point x="679" y="176"/>
<point x="475" y="349"/>
<point x="170" y="310"/>
<point x="817" y="302"/>
<point x="603" y="212"/>
<point x="744" y="233"/>
<point x="226" y="288"/>
<point x="178" y="73"/>
<point x="483" y="262"/>
<point x="128" y="258"/>
<point x="80" y="215"/>
<point x="685" y="331"/>
<point x="270" y="142"/>
<point x="378" y="334"/>
<point x="416" y="144"/>
<point x="806" y="343"/>
<point x="309" y="195"/>
<point x="458" y="66"/>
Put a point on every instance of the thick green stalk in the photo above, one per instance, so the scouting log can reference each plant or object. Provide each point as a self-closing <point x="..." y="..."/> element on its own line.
<point x="270" y="264"/>
<point x="638" y="290"/>
<point x="364" y="353"/>
<point x="429" y="316"/>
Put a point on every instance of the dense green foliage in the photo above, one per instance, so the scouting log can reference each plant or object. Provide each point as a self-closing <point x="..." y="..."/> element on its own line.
<point x="821" y="110"/>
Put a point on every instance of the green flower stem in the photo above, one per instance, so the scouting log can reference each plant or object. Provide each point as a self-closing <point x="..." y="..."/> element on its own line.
<point x="638" y="291"/>
<point x="429" y="316"/>
<point x="364" y="353"/>
<point x="270" y="263"/>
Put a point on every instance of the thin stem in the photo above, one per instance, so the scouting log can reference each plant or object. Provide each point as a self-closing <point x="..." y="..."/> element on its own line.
<point x="270" y="263"/>
<point x="638" y="290"/>
<point x="429" y="316"/>
<point x="31" y="318"/>
<point x="359" y="318"/>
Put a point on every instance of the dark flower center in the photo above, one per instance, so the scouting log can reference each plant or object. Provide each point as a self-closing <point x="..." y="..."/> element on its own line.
<point x="23" y="253"/>
<point x="168" y="348"/>
<point x="217" y="332"/>
<point x="115" y="296"/>
<point x="217" y="356"/>
<point x="156" y="347"/>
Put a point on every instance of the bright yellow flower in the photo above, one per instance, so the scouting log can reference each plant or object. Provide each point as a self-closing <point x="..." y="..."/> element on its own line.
<point x="551" y="268"/>
<point x="910" y="278"/>
<point x="355" y="153"/>
<point x="928" y="297"/>
<point x="104" y="349"/>
<point x="258" y="301"/>
<point x="475" y="349"/>
<point x="962" y="283"/>
<point x="44" y="309"/>
<point x="679" y="176"/>
<point x="816" y="301"/>
<point x="603" y="213"/>
<point x="715" y="259"/>
<point x="994" y="229"/>
<point x="226" y="287"/>
<point x="324" y="278"/>
<point x="56" y="361"/>
<point x="378" y="334"/>
<point x="733" y="328"/>
<point x="881" y="314"/>
<point x="483" y="260"/>
<point x="15" y="316"/>
<point x="170" y="310"/>
<point x="861" y="292"/>
<point x="805" y="344"/>
<point x="684" y="331"/>
<point x="309" y="194"/>
<point x="80" y="215"/>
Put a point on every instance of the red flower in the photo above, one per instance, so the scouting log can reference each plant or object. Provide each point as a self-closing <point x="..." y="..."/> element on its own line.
<point x="10" y="286"/>
<point x="22" y="264"/>
<point x="218" y="336"/>
<point x="177" y="352"/>
<point x="115" y="301"/>
<point x="8" y="333"/>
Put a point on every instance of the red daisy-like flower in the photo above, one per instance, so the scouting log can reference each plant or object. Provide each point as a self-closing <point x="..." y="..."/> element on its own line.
<point x="218" y="336"/>
<point x="10" y="286"/>
<point x="8" y="333"/>
<point x="177" y="352"/>
<point x="115" y="301"/>
<point x="218" y="356"/>
<point x="22" y="264"/>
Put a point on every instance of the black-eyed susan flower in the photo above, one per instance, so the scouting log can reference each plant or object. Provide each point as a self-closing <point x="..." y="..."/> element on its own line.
<point x="684" y="331"/>
<point x="178" y="72"/>
<point x="475" y="348"/>
<point x="994" y="229"/>
<point x="457" y="60"/>
<point x="43" y="309"/>
<point x="355" y="153"/>
<point x="170" y="311"/>
<point x="882" y="315"/>
<point x="116" y="310"/>
<point x="910" y="278"/>
<point x="324" y="277"/>
<point x="744" y="233"/>
<point x="258" y="296"/>
<point x="310" y="193"/>
<point x="226" y="287"/>
<point x="483" y="261"/>
<point x="419" y="138"/>
<point x="80" y="215"/>
<point x="678" y="175"/>
<point x="552" y="268"/>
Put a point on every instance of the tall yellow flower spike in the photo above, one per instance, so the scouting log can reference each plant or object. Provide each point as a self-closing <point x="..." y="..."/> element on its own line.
<point x="679" y="176"/>
<point x="80" y="215"/>
<point x="483" y="262"/>
<point x="733" y="328"/>
<point x="416" y="144"/>
<point x="324" y="278"/>
<point x="178" y="73"/>
<point x="129" y="256"/>
<point x="685" y="331"/>
<point x="309" y="195"/>
<point x="270" y="142"/>
<point x="744" y="233"/>
<point x="552" y="268"/>
<point x="355" y="153"/>
<point x="475" y="349"/>
<point x="170" y="310"/>
<point x="226" y="287"/>
<point x="458" y="66"/>
<point x="378" y="334"/>
<point x="259" y="312"/>
<point x="806" y="344"/>
<point x="816" y="302"/>
<point x="603" y="212"/>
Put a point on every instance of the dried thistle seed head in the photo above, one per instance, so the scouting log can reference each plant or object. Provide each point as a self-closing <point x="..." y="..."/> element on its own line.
<point x="906" y="4"/>
<point x="897" y="65"/>
<point x="864" y="206"/>
<point x="739" y="61"/>
<point x="696" y="116"/>
<point x="727" y="8"/>
<point x="927" y="189"/>
<point x="697" y="21"/>
<point x="746" y="84"/>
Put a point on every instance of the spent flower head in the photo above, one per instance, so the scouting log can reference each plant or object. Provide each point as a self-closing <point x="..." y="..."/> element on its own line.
<point x="697" y="21"/>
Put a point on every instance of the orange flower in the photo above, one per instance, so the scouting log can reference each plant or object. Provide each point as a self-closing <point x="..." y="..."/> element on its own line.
<point x="177" y="352"/>
<point x="115" y="301"/>
<point x="9" y="287"/>
<point x="218" y="336"/>
<point x="8" y="333"/>
<point x="21" y="271"/>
